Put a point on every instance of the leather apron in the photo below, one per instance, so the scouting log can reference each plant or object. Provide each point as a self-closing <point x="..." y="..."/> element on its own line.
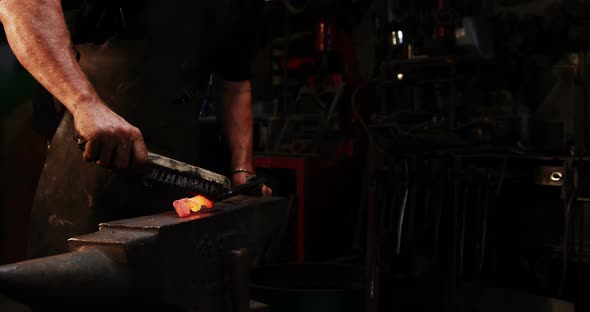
<point x="141" y="73"/>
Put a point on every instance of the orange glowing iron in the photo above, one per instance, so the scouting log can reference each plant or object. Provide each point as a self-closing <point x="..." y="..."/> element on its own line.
<point x="185" y="206"/>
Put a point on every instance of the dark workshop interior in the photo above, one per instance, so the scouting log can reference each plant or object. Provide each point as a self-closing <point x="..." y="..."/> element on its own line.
<point x="423" y="155"/>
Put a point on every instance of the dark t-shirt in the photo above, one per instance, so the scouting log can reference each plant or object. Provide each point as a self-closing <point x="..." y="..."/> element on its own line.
<point x="97" y="20"/>
<point x="235" y="63"/>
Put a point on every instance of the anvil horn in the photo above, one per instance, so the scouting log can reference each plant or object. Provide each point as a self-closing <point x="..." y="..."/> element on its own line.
<point x="88" y="273"/>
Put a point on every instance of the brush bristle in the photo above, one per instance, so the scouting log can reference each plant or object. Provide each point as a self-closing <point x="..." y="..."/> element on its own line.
<point x="171" y="179"/>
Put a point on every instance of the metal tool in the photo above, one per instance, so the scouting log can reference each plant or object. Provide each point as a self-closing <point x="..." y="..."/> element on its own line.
<point x="164" y="172"/>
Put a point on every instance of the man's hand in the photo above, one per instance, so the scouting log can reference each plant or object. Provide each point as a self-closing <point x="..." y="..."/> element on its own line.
<point x="240" y="178"/>
<point x="110" y="140"/>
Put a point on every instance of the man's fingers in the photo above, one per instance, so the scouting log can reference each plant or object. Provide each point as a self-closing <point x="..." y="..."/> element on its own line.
<point x="122" y="155"/>
<point x="266" y="191"/>
<point x="139" y="153"/>
<point x="113" y="142"/>
<point x="91" y="150"/>
<point x="106" y="154"/>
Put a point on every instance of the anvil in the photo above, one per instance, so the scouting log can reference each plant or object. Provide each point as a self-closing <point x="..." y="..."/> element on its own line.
<point x="153" y="260"/>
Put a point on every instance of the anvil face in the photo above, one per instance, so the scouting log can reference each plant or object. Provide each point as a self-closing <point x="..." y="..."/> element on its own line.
<point x="159" y="258"/>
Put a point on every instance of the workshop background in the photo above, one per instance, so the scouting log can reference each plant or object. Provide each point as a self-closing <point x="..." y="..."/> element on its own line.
<point x="432" y="154"/>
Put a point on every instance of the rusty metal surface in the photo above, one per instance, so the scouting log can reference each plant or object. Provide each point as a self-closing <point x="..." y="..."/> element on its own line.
<point x="159" y="259"/>
<point x="90" y="273"/>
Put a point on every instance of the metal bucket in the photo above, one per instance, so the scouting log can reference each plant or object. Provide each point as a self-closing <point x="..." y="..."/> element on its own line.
<point x="309" y="288"/>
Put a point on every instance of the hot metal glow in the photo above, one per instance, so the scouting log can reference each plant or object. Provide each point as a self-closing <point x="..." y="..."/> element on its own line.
<point x="185" y="206"/>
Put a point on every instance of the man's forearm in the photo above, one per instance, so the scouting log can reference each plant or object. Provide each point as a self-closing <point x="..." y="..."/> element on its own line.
<point x="236" y="117"/>
<point x="37" y="33"/>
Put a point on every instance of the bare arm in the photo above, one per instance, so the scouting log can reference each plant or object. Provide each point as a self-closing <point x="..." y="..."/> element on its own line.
<point x="38" y="35"/>
<point x="237" y="122"/>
